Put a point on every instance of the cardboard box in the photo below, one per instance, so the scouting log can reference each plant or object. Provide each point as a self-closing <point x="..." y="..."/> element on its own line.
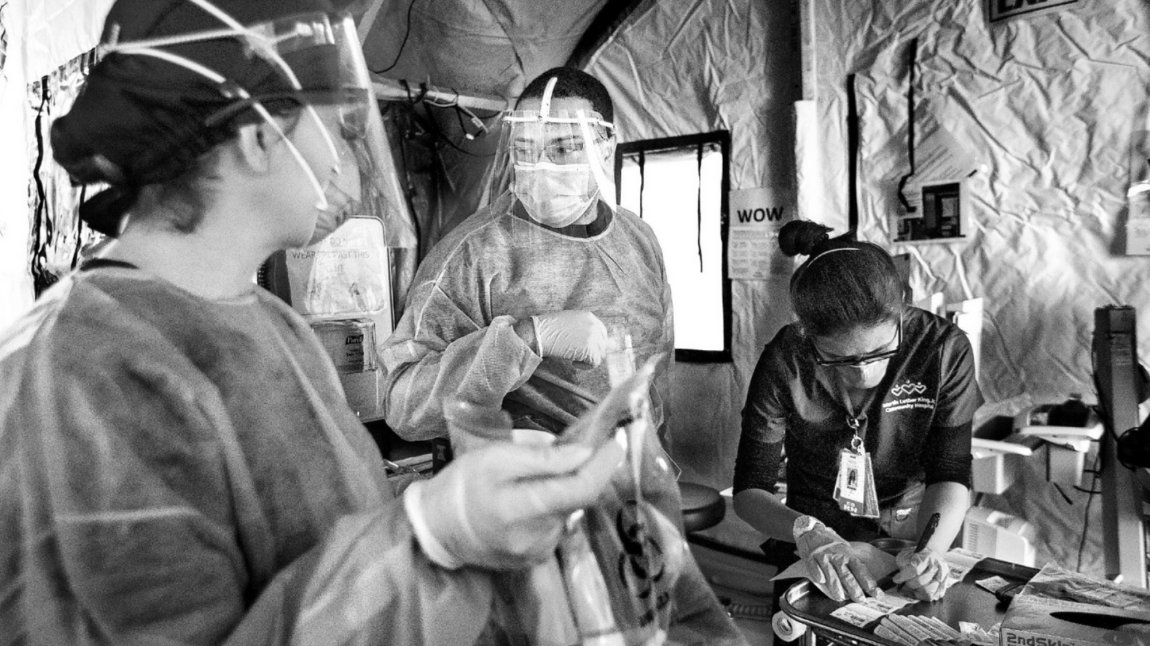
<point x="1040" y="621"/>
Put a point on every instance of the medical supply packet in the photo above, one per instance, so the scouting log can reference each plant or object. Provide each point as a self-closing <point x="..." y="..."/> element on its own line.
<point x="1059" y="607"/>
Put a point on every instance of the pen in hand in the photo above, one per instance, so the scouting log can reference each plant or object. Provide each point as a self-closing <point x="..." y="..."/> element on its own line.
<point x="924" y="573"/>
<point x="927" y="532"/>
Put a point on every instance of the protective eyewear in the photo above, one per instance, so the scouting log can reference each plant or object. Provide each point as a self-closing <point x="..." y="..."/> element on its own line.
<point x="560" y="138"/>
<point x="860" y="360"/>
<point x="566" y="151"/>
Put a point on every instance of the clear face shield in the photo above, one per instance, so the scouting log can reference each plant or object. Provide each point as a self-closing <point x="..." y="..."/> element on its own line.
<point x="556" y="157"/>
<point x="319" y="61"/>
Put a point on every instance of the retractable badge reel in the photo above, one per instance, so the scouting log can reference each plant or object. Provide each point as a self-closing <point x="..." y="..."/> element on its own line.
<point x="854" y="485"/>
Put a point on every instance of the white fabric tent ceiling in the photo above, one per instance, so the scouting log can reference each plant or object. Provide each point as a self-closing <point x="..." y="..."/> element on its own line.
<point x="485" y="47"/>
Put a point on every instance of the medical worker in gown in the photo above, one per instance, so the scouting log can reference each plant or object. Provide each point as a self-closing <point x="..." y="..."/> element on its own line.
<point x="519" y="305"/>
<point x="177" y="461"/>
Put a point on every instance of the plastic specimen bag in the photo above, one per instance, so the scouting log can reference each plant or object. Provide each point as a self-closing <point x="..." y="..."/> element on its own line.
<point x="610" y="580"/>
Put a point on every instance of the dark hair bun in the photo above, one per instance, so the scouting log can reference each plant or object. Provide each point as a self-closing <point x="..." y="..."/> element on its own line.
<point x="104" y="211"/>
<point x="802" y="237"/>
<point x="75" y="155"/>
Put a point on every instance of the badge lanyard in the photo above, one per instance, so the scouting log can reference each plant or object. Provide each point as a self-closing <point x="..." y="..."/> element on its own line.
<point x="854" y="486"/>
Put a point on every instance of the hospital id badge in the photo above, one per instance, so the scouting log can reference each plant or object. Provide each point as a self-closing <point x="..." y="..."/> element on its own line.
<point x="850" y="484"/>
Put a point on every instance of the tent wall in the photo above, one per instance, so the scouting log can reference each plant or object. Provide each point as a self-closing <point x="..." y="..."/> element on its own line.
<point x="693" y="67"/>
<point x="1049" y="107"/>
<point x="492" y="48"/>
<point x="42" y="36"/>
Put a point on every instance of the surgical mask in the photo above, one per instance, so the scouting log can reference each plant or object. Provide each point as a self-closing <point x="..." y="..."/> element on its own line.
<point x="865" y="376"/>
<point x="344" y="189"/>
<point x="555" y="156"/>
<point x="555" y="195"/>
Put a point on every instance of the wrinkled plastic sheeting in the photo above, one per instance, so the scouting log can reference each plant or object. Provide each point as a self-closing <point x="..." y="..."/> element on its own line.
<point x="45" y="40"/>
<point x="1067" y="520"/>
<point x="60" y="30"/>
<point x="1048" y="107"/>
<point x="695" y="67"/>
<point x="58" y="239"/>
<point x="491" y="47"/>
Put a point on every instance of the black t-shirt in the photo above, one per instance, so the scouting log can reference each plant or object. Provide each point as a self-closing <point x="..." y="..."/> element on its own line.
<point x="916" y="427"/>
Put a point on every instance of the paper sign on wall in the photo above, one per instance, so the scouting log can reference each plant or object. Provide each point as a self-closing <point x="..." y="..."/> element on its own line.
<point x="938" y="189"/>
<point x="756" y="215"/>
<point x="1000" y="10"/>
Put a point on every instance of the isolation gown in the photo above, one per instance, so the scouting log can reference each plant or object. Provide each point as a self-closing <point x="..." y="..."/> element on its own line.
<point x="498" y="267"/>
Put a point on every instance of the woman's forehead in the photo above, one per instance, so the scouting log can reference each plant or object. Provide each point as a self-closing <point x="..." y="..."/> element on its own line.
<point x="859" y="340"/>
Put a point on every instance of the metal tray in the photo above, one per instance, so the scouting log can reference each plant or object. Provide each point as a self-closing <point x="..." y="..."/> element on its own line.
<point x="965" y="601"/>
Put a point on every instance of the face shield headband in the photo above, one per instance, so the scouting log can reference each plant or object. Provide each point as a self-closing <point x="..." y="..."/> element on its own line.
<point x="329" y="69"/>
<point x="262" y="40"/>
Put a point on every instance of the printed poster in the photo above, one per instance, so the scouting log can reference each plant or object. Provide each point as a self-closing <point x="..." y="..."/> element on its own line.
<point x="756" y="215"/>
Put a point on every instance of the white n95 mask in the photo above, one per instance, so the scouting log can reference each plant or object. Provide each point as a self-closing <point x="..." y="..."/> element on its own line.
<point x="555" y="195"/>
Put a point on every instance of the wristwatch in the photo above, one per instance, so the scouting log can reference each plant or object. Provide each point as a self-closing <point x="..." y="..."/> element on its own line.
<point x="804" y="524"/>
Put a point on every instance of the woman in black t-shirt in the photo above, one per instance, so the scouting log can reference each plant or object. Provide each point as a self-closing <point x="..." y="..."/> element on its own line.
<point x="860" y="377"/>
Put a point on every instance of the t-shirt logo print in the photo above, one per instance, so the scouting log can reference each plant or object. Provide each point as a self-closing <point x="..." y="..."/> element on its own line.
<point x="907" y="389"/>
<point x="908" y="395"/>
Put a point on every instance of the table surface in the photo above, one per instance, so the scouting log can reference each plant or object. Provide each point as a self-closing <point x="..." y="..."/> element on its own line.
<point x="964" y="601"/>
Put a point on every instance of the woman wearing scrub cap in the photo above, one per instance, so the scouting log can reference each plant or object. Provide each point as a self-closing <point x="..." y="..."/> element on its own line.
<point x="178" y="463"/>
<point x="871" y="401"/>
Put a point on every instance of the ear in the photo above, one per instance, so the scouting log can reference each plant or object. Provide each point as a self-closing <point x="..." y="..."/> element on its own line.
<point x="253" y="144"/>
<point x="608" y="148"/>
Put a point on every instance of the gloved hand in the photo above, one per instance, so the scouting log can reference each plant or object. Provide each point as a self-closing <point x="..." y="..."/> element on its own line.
<point x="831" y="563"/>
<point x="571" y="334"/>
<point x="926" y="573"/>
<point x="504" y="506"/>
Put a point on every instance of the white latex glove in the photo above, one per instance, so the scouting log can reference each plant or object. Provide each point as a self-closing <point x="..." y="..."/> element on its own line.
<point x="926" y="574"/>
<point x="504" y="506"/>
<point x="571" y="334"/>
<point x="833" y="566"/>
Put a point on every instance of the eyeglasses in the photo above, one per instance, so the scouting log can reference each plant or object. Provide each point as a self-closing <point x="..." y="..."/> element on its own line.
<point x="566" y="151"/>
<point x="860" y="360"/>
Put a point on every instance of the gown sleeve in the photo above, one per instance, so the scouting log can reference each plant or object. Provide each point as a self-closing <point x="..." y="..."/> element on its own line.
<point x="438" y="350"/>
<point x="131" y="516"/>
<point x="661" y="386"/>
